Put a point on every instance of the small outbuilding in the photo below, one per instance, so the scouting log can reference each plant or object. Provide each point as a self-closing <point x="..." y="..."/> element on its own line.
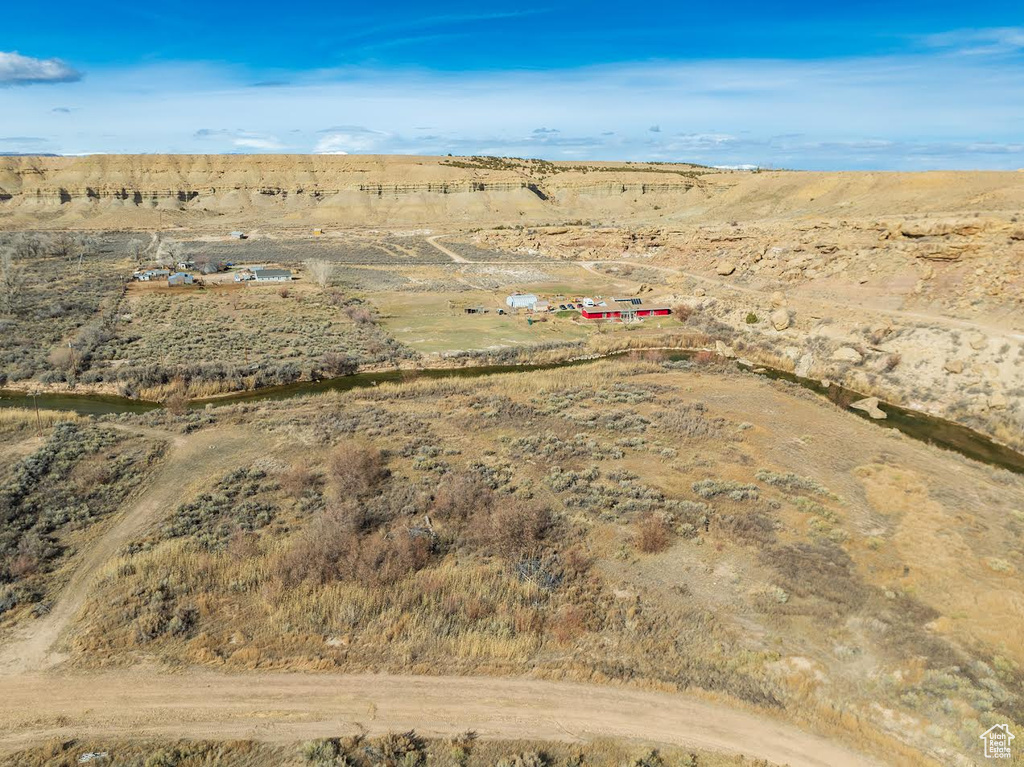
<point x="212" y="267"/>
<point x="180" y="278"/>
<point x="237" y="235"/>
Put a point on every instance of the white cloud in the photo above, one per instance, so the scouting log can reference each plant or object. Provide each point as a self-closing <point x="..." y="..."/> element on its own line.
<point x="16" y="69"/>
<point x="975" y="42"/>
<point x="348" y="139"/>
<point x="263" y="144"/>
<point x="240" y="139"/>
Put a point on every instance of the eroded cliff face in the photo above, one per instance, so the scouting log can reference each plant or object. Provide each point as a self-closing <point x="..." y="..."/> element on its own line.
<point x="143" y="191"/>
<point x="133" y="191"/>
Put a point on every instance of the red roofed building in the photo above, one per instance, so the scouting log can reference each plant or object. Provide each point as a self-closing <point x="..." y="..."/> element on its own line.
<point x="624" y="312"/>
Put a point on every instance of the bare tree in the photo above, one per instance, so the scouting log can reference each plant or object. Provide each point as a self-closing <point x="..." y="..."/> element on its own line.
<point x="136" y="248"/>
<point x="12" y="279"/>
<point x="85" y="245"/>
<point x="73" y="247"/>
<point x="168" y="253"/>
<point x="63" y="244"/>
<point x="28" y="247"/>
<point x="321" y="271"/>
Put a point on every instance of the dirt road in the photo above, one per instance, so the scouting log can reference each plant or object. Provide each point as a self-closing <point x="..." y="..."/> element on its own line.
<point x="294" y="707"/>
<point x="190" y="463"/>
<point x="450" y="253"/>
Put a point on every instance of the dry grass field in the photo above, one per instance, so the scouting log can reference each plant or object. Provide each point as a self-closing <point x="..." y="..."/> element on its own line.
<point x="636" y="521"/>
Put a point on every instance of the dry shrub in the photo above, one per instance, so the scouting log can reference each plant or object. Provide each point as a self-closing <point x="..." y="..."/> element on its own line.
<point x="576" y="562"/>
<point x="23" y="565"/>
<point x="653" y="534"/>
<point x="387" y="557"/>
<point x="751" y="528"/>
<point x="338" y="364"/>
<point x="314" y="555"/>
<point x="360" y="315"/>
<point x="459" y="497"/>
<point x="334" y="548"/>
<point x="177" y="403"/>
<point x="510" y="528"/>
<point x="401" y="750"/>
<point x="89" y="474"/>
<point x="682" y="312"/>
<point x="705" y="357"/>
<point x="283" y="292"/>
<point x="299" y="480"/>
<point x="356" y="469"/>
<point x="243" y="546"/>
<point x="568" y="624"/>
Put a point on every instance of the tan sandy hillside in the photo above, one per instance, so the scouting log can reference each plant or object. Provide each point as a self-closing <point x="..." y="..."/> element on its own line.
<point x="140" y="191"/>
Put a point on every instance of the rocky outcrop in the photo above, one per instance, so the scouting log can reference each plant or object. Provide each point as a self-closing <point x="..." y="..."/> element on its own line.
<point x="869" y="405"/>
<point x="847" y="354"/>
<point x="780" y="319"/>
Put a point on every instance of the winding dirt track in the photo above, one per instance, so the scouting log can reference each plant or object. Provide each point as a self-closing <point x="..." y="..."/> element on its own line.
<point x="293" y="707"/>
<point x="39" y="700"/>
<point x="190" y="464"/>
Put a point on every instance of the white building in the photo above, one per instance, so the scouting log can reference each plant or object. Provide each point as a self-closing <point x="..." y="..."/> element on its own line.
<point x="521" y="301"/>
<point x="272" y="275"/>
<point x="152" y="274"/>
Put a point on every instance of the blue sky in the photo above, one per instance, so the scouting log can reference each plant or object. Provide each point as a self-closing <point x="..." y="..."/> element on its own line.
<point x="863" y="85"/>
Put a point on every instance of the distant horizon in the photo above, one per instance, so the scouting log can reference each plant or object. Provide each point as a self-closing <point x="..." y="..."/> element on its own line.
<point x="920" y="86"/>
<point x="582" y="160"/>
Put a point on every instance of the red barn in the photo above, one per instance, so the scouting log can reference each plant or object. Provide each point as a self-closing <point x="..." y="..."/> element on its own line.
<point x="626" y="312"/>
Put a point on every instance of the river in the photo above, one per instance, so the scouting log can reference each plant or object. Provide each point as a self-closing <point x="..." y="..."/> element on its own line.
<point x="919" y="426"/>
